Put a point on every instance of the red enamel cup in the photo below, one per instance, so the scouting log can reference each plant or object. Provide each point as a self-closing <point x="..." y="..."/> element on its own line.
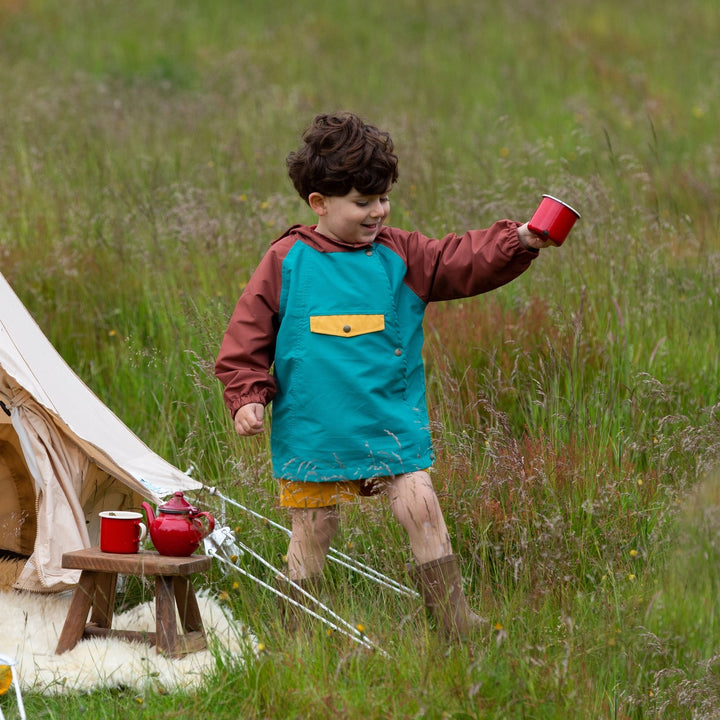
<point x="121" y="531"/>
<point x="553" y="219"/>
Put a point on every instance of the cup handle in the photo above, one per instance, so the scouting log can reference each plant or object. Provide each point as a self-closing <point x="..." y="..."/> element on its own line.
<point x="143" y="531"/>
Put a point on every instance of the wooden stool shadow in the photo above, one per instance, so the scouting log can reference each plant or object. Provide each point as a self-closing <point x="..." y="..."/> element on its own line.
<point x="95" y="594"/>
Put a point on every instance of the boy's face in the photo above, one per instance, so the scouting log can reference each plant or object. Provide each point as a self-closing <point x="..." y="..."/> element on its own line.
<point x="353" y="218"/>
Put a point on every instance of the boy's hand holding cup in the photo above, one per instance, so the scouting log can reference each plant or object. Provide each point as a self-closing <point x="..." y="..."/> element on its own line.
<point x="552" y="221"/>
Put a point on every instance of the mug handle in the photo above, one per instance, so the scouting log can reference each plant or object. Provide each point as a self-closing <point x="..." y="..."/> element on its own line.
<point x="143" y="531"/>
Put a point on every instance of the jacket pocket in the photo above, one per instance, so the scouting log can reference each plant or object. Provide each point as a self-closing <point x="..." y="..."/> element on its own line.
<point x="346" y="325"/>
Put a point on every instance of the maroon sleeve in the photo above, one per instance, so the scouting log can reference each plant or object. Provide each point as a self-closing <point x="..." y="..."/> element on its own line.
<point x="248" y="347"/>
<point x="463" y="265"/>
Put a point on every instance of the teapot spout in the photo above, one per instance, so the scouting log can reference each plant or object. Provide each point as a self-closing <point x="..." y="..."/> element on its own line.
<point x="149" y="512"/>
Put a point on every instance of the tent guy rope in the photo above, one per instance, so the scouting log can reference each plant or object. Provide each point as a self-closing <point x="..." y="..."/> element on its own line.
<point x="334" y="555"/>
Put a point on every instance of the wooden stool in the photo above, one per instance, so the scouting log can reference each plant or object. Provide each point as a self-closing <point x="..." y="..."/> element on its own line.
<point x="96" y="590"/>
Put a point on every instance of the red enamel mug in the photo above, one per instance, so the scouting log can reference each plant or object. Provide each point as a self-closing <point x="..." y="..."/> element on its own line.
<point x="121" y="531"/>
<point x="553" y="219"/>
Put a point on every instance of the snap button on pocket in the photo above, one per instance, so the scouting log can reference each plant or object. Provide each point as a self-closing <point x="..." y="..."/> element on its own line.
<point x="346" y="328"/>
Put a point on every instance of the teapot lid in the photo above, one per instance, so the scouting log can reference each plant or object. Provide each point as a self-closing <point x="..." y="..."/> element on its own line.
<point x="178" y="505"/>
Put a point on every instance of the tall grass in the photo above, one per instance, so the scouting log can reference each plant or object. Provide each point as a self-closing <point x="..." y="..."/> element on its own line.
<point x="575" y="411"/>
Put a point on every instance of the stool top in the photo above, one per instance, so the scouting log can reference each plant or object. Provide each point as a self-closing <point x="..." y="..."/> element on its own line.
<point x="142" y="563"/>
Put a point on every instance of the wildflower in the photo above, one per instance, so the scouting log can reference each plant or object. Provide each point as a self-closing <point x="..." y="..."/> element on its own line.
<point x="698" y="112"/>
<point x="233" y="558"/>
<point x="138" y="700"/>
<point x="236" y="585"/>
<point x="112" y="333"/>
<point x="224" y="597"/>
<point x="498" y="626"/>
<point x="5" y="678"/>
<point x="264" y="205"/>
<point x="633" y="553"/>
<point x="639" y="481"/>
<point x="360" y="628"/>
<point x="504" y="152"/>
<point x="260" y="647"/>
<point x="631" y="577"/>
<point x="350" y="545"/>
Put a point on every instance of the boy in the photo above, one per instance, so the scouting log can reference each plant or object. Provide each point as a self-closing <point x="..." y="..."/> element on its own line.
<point x="337" y="308"/>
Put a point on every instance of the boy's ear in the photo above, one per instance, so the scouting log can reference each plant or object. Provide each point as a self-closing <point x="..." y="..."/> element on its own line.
<point x="317" y="203"/>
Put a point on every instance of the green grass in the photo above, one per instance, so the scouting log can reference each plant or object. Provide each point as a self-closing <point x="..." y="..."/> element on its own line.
<point x="575" y="411"/>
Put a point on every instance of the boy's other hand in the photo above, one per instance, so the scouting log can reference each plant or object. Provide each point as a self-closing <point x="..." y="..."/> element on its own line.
<point x="531" y="240"/>
<point x="249" y="419"/>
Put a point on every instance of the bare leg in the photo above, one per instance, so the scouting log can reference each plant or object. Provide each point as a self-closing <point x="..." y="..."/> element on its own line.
<point x="437" y="576"/>
<point x="313" y="531"/>
<point x="415" y="506"/>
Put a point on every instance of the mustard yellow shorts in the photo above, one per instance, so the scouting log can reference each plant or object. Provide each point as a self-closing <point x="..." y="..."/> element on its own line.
<point x="295" y="494"/>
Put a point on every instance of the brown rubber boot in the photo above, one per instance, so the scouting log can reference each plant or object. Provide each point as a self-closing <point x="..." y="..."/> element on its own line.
<point x="293" y="617"/>
<point x="440" y="586"/>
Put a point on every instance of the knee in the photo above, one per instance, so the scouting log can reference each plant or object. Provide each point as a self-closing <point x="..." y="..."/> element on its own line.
<point x="317" y="525"/>
<point x="412" y="497"/>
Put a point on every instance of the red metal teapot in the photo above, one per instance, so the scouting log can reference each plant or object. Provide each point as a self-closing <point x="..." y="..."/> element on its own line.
<point x="179" y="527"/>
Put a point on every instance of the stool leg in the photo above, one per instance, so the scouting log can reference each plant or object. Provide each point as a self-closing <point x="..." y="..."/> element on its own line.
<point x="187" y="605"/>
<point x="166" y="630"/>
<point x="104" y="602"/>
<point x="77" y="615"/>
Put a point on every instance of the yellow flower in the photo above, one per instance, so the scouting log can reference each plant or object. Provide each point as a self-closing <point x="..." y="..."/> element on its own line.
<point x="504" y="152"/>
<point x="224" y="596"/>
<point x="260" y="647"/>
<point x="236" y="585"/>
<point x="5" y="678"/>
<point x="498" y="626"/>
<point x="360" y="628"/>
<point x="631" y="577"/>
<point x="633" y="553"/>
<point x="139" y="700"/>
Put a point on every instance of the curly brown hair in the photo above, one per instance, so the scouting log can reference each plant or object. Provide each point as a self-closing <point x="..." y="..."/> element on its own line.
<point x="341" y="152"/>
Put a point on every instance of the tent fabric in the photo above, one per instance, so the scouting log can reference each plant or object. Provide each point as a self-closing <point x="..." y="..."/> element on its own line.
<point x="63" y="455"/>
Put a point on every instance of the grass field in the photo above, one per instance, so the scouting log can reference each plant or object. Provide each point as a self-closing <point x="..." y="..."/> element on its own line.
<point x="576" y="412"/>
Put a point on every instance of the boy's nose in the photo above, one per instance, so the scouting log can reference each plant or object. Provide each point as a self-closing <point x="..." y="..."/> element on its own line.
<point x="377" y="209"/>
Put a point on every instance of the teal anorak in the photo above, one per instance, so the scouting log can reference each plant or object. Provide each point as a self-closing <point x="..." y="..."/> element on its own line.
<point x="332" y="333"/>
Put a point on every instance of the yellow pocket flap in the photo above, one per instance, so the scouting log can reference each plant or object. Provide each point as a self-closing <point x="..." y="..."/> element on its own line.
<point x="346" y="325"/>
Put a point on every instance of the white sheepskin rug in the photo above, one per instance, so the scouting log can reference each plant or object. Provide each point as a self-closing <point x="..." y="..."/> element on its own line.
<point x="30" y="625"/>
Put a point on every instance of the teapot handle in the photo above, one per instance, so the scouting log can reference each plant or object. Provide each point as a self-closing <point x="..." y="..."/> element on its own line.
<point x="210" y="520"/>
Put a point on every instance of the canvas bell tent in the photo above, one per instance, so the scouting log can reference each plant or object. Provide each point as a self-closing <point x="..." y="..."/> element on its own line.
<point x="64" y="456"/>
